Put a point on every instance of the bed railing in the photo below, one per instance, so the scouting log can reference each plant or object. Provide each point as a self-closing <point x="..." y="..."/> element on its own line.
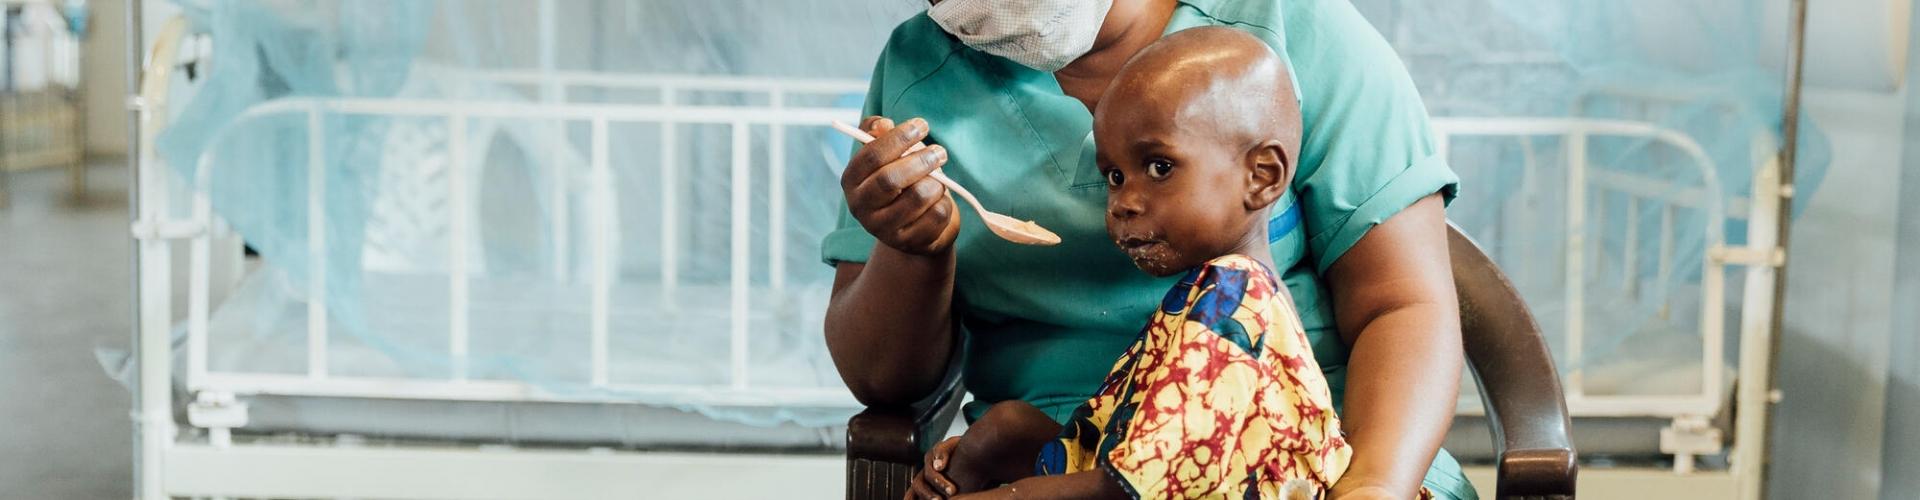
<point x="1587" y="188"/>
<point x="1581" y="181"/>
<point x="217" y="410"/>
<point x="775" y="117"/>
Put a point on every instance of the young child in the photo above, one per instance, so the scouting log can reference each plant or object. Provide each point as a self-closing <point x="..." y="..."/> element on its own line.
<point x="1220" y="396"/>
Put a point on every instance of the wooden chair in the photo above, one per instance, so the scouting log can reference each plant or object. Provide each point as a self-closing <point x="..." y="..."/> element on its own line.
<point x="1505" y="352"/>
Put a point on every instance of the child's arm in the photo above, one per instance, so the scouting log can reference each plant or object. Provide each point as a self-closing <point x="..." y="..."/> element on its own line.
<point x="1085" y="484"/>
<point x="999" y="448"/>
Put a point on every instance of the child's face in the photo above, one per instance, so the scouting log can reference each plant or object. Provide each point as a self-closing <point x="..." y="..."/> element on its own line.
<point x="1174" y="195"/>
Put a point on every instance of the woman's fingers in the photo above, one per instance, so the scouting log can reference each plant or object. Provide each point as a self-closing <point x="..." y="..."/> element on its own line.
<point x="937" y="460"/>
<point x="927" y="231"/>
<point x="884" y="150"/>
<point x="920" y="489"/>
<point x="890" y="192"/>
<point x="939" y="482"/>
<point x="942" y="453"/>
<point x="890" y="180"/>
<point x="905" y="208"/>
<point x="876" y="125"/>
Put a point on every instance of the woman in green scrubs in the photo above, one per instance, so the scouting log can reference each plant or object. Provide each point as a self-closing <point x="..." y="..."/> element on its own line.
<point x="1002" y="91"/>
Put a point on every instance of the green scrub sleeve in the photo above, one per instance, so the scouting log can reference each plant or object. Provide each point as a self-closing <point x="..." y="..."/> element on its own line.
<point x="1368" y="150"/>
<point x="848" y="242"/>
<point x="1424" y="177"/>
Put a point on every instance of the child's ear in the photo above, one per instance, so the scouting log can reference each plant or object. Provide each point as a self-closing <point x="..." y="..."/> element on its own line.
<point x="1269" y="171"/>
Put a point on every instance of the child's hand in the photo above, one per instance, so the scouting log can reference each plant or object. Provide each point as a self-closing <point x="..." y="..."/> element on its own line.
<point x="932" y="482"/>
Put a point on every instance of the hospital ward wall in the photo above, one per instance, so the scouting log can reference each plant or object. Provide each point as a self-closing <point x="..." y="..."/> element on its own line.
<point x="1902" y="453"/>
<point x="1829" y="430"/>
<point x="1847" y="426"/>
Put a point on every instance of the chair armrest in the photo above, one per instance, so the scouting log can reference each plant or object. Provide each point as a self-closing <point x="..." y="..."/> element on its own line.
<point x="882" y="451"/>
<point x="884" y="434"/>
<point x="885" y="443"/>
<point x="1518" y="383"/>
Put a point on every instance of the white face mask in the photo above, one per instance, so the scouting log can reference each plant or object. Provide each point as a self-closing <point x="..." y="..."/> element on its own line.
<point x="1039" y="34"/>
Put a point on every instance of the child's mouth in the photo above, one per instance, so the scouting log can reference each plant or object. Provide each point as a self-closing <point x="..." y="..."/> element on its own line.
<point x="1145" y="252"/>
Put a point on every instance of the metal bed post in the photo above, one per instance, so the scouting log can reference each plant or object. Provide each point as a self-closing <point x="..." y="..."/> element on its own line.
<point x="457" y="320"/>
<point x="777" y="202"/>
<point x="602" y="260"/>
<point x="1575" y="273"/>
<point x="144" y="464"/>
<point x="742" y="262"/>
<point x="316" y="245"/>
<point x="1753" y="398"/>
<point x="148" y="204"/>
<point x="669" y="205"/>
<point x="552" y="92"/>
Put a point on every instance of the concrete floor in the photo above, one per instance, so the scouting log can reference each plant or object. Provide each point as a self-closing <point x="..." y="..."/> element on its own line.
<point x="64" y="290"/>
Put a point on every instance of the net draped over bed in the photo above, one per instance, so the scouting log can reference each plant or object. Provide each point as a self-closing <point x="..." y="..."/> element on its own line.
<point x="1706" y="69"/>
<point x="388" y="209"/>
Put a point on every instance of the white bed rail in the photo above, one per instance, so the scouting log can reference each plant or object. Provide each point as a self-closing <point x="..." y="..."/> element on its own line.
<point x="1581" y="180"/>
<point x="739" y="121"/>
<point x="1690" y="433"/>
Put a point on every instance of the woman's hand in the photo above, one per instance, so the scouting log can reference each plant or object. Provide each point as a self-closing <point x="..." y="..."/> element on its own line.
<point x="893" y="197"/>
<point x="932" y="482"/>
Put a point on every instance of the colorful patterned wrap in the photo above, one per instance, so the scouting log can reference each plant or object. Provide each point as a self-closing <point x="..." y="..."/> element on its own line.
<point x="1219" y="397"/>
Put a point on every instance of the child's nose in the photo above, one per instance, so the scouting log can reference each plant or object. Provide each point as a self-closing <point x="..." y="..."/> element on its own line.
<point x="1122" y="204"/>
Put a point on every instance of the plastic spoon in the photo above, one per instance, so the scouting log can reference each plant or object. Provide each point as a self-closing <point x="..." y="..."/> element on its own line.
<point x="1008" y="228"/>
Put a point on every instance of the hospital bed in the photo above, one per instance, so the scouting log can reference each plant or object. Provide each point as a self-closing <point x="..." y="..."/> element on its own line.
<point x="1657" y="408"/>
<point x="41" y="113"/>
<point x="271" y="399"/>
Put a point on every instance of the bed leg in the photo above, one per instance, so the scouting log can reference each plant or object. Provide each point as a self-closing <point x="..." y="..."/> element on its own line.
<point x="219" y="413"/>
<point x="1689" y="437"/>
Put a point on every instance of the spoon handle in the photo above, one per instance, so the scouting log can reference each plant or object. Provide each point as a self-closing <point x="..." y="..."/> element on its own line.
<point x="937" y="175"/>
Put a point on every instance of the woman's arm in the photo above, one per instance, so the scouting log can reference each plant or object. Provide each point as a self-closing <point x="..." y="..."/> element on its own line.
<point x="888" y="325"/>
<point x="889" y="322"/>
<point x="1394" y="303"/>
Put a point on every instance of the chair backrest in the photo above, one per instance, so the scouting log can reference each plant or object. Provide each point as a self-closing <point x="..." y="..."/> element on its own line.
<point x="1514" y="370"/>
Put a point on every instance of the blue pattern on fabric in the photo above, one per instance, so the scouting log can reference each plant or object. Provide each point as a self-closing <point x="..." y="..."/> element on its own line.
<point x="1175" y="301"/>
<point x="1052" y="460"/>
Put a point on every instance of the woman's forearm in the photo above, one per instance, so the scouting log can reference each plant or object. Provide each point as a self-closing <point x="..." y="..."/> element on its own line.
<point x="1399" y="408"/>
<point x="889" y="324"/>
<point x="1394" y="303"/>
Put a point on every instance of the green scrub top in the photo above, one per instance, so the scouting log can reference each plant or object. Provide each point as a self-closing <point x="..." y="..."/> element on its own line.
<point x="1045" y="324"/>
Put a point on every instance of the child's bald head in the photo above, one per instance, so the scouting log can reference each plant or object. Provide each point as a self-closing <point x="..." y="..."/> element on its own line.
<point x="1197" y="136"/>
<point x="1220" y="79"/>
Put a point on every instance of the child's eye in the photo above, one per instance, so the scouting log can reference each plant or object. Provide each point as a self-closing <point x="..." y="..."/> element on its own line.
<point x="1158" y="169"/>
<point x="1114" y="178"/>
